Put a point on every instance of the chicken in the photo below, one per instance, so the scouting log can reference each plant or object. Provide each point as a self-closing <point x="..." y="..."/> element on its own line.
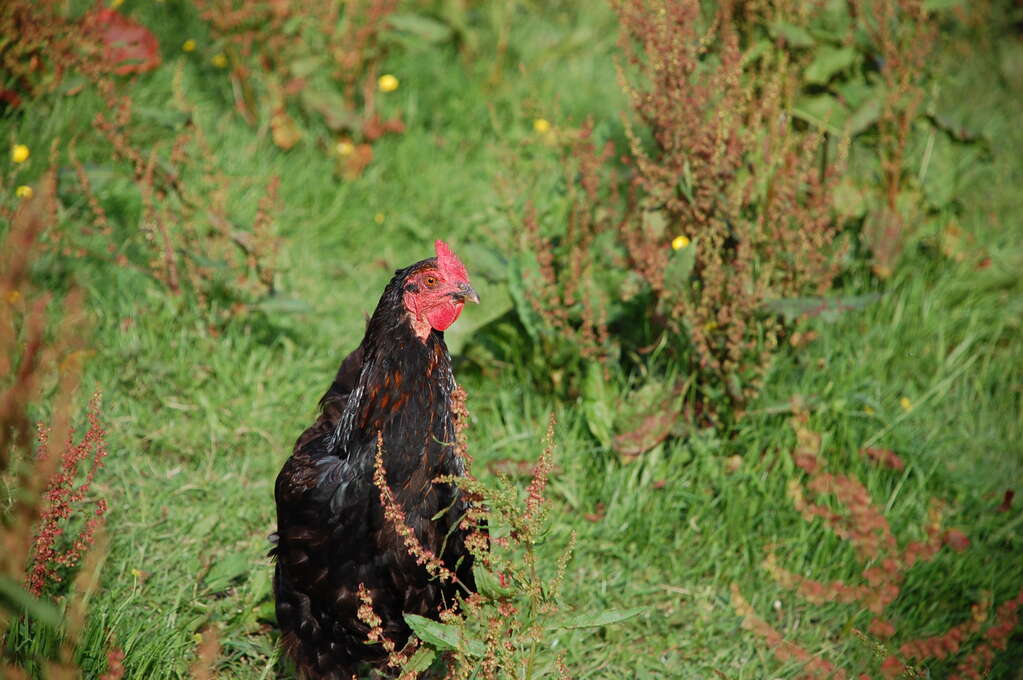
<point x="332" y="536"/>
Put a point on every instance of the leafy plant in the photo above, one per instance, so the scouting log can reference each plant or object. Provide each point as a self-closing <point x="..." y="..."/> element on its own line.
<point x="49" y="517"/>
<point x="728" y="211"/>
<point x="885" y="564"/>
<point x="320" y="58"/>
<point x="503" y="629"/>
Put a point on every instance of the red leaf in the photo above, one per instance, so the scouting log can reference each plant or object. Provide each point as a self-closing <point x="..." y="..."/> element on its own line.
<point x="128" y="46"/>
<point x="892" y="667"/>
<point x="10" y="97"/>
<point x="881" y="628"/>
<point x="885" y="457"/>
<point x="956" y="540"/>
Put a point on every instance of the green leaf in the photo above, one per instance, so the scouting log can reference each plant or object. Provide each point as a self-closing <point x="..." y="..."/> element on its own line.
<point x="305" y="67"/>
<point x="849" y="200"/>
<point x="822" y="110"/>
<point x="828" y="309"/>
<point x="794" y="35"/>
<point x="864" y="116"/>
<point x="423" y="27"/>
<point x="939" y="5"/>
<point x="855" y="91"/>
<point x="419" y="662"/>
<point x="487" y="584"/>
<point x="167" y="117"/>
<point x="282" y="304"/>
<point x="517" y="267"/>
<point x="596" y="404"/>
<point x="331" y="105"/>
<point x="204" y="525"/>
<point x="755" y="51"/>
<point x="680" y="267"/>
<point x="227" y="570"/>
<point x="828" y="62"/>
<point x="444" y="636"/>
<point x="605" y="618"/>
<point x="14" y="598"/>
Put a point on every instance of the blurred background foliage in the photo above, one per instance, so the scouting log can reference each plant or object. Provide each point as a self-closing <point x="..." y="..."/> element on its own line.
<point x="712" y="237"/>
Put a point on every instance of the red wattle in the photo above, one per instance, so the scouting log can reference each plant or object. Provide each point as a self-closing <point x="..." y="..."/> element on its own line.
<point x="442" y="316"/>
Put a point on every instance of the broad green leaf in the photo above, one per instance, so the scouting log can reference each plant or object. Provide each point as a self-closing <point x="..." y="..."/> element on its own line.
<point x="282" y="304"/>
<point x="204" y="525"/>
<point x="517" y="267"/>
<point x="855" y="91"/>
<point x="15" y="598"/>
<point x="487" y="584"/>
<point x="605" y="618"/>
<point x="423" y="27"/>
<point x="794" y="35"/>
<point x="596" y="404"/>
<point x="828" y="309"/>
<point x="167" y="117"/>
<point x="226" y="570"/>
<point x="419" y="662"/>
<point x="679" y="267"/>
<point x="822" y="110"/>
<point x="864" y="116"/>
<point x="755" y="51"/>
<point x="444" y="636"/>
<point x="331" y="105"/>
<point x="305" y="67"/>
<point x="828" y="62"/>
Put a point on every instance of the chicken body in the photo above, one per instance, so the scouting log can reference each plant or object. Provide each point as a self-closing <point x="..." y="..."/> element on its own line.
<point x="332" y="535"/>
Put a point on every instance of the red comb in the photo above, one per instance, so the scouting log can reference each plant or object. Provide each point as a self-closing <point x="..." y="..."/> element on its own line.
<point x="449" y="264"/>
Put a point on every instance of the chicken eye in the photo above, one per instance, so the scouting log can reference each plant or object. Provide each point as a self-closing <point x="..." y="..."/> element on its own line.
<point x="430" y="281"/>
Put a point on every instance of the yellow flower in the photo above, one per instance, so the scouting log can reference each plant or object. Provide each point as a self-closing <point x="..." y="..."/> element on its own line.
<point x="869" y="411"/>
<point x="387" y="83"/>
<point x="116" y="3"/>
<point x="19" y="153"/>
<point x="541" y="126"/>
<point x="345" y="148"/>
<point x="905" y="403"/>
<point x="188" y="45"/>
<point x="24" y="191"/>
<point x="679" y="242"/>
<point x="219" y="60"/>
<point x="710" y="326"/>
<point x="13" y="296"/>
<point x="379" y="218"/>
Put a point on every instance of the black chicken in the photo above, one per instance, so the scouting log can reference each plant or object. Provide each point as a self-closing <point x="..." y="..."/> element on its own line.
<point x="332" y="535"/>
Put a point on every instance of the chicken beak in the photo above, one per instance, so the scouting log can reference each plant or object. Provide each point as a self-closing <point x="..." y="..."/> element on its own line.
<point x="467" y="292"/>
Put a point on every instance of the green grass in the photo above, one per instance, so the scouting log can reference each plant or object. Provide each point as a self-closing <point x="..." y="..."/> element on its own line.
<point x="199" y="423"/>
